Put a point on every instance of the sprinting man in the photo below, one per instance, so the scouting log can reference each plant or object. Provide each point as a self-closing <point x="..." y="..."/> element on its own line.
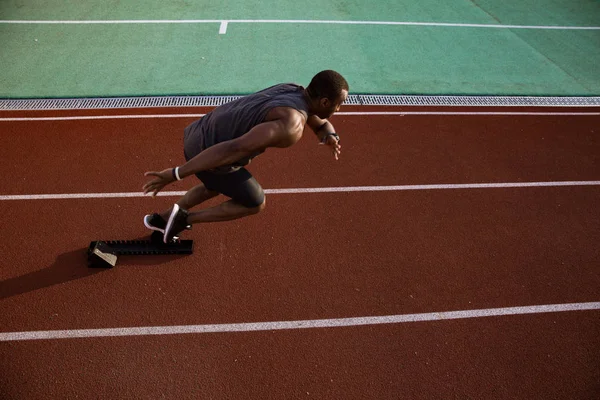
<point x="219" y="145"/>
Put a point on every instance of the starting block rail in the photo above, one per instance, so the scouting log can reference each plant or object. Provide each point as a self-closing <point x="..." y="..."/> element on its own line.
<point x="104" y="253"/>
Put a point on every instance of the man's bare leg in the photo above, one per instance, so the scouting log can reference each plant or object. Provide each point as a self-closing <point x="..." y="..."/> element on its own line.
<point x="223" y="212"/>
<point x="191" y="198"/>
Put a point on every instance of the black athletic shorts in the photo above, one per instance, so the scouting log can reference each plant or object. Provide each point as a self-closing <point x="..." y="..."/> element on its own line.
<point x="239" y="185"/>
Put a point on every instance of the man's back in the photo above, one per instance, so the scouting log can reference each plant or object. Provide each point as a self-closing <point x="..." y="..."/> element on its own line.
<point x="236" y="118"/>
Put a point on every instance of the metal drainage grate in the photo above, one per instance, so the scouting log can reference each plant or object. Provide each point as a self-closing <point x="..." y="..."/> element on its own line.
<point x="479" y="101"/>
<point x="359" y="99"/>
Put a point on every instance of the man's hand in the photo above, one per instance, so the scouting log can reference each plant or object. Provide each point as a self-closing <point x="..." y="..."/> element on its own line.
<point x="326" y="134"/>
<point x="334" y="144"/>
<point x="162" y="179"/>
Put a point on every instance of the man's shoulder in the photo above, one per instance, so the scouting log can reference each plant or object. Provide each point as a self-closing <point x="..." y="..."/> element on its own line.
<point x="289" y="115"/>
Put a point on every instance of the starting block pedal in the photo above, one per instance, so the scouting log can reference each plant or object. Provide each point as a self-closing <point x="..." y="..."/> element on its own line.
<point x="104" y="253"/>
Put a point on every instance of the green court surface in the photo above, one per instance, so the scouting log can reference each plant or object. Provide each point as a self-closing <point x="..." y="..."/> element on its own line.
<point x="152" y="47"/>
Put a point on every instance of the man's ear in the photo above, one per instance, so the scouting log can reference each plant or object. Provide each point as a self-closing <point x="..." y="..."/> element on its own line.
<point x="324" y="102"/>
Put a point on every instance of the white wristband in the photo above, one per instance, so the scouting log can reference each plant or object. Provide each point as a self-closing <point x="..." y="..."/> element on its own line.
<point x="177" y="173"/>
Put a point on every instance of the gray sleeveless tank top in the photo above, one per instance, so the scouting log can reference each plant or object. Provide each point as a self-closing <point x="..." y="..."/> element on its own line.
<point x="232" y="120"/>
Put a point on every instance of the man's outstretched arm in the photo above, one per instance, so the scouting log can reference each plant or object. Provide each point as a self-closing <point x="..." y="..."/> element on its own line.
<point x="277" y="133"/>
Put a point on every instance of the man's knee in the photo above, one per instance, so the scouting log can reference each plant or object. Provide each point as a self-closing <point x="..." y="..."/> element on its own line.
<point x="251" y="195"/>
<point x="254" y="199"/>
<point x="258" y="208"/>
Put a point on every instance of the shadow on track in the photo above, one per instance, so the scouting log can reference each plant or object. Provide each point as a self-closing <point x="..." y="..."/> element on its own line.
<point x="67" y="267"/>
<point x="71" y="266"/>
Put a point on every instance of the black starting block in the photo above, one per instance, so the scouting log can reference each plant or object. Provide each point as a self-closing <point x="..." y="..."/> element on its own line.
<point x="103" y="253"/>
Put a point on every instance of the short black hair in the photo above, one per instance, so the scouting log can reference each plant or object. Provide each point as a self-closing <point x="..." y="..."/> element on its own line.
<point x="327" y="84"/>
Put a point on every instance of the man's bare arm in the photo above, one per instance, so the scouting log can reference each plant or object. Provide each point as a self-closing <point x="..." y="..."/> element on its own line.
<point x="268" y="134"/>
<point x="282" y="132"/>
<point x="321" y="127"/>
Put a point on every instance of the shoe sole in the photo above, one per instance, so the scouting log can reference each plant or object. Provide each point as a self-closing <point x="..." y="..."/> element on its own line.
<point x="152" y="228"/>
<point x="170" y="222"/>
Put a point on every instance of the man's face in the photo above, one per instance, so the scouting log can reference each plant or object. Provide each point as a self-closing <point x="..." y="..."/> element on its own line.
<point x="328" y="107"/>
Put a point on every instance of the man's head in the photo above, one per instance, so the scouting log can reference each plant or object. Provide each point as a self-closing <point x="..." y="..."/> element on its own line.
<point x="327" y="91"/>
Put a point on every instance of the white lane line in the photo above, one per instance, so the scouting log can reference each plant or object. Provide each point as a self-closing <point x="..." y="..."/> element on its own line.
<point x="541" y="113"/>
<point x="343" y="189"/>
<point x="350" y="113"/>
<point x="302" y="324"/>
<point x="93" y="117"/>
<point x="223" y="28"/>
<point x="298" y="21"/>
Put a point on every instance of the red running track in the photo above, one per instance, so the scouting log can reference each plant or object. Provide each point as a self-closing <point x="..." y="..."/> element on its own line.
<point x="310" y="256"/>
